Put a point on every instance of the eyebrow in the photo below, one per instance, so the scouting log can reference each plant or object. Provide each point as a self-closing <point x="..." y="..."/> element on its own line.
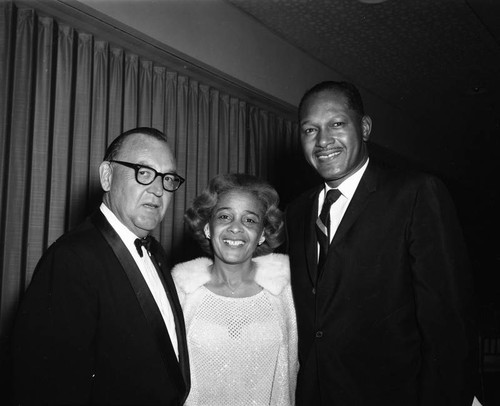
<point x="246" y="211"/>
<point x="142" y="163"/>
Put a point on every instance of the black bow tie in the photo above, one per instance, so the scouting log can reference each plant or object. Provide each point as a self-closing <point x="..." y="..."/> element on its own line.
<point x="140" y="242"/>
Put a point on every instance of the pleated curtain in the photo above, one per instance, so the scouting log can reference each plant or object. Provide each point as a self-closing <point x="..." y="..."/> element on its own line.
<point x="64" y="96"/>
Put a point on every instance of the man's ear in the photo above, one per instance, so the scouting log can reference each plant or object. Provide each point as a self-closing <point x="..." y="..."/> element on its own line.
<point x="366" y="127"/>
<point x="105" y="175"/>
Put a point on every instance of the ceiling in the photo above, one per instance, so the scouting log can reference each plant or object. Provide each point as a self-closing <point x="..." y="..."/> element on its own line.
<point x="420" y="55"/>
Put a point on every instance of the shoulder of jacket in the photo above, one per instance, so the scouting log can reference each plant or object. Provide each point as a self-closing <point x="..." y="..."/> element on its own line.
<point x="304" y="199"/>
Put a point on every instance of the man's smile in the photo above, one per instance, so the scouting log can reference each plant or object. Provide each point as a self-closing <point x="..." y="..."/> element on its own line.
<point x="325" y="155"/>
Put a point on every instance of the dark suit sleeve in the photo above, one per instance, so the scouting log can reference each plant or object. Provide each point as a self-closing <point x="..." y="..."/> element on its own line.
<point x="444" y="298"/>
<point x="53" y="340"/>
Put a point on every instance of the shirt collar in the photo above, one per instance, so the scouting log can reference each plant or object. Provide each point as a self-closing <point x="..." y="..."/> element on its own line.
<point x="127" y="236"/>
<point x="349" y="186"/>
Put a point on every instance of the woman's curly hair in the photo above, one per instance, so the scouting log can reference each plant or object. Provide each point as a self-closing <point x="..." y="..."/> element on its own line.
<point x="200" y="212"/>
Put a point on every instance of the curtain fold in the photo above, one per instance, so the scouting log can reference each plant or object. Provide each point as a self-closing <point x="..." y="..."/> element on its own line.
<point x="145" y="84"/>
<point x="97" y="114"/>
<point x="64" y="96"/>
<point x="79" y="182"/>
<point x="115" y="92"/>
<point x="36" y="234"/>
<point x="202" y="167"/>
<point x="60" y="135"/>
<point x="16" y="161"/>
<point x="167" y="224"/>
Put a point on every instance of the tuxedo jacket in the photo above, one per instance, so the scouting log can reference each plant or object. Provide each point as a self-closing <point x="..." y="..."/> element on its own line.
<point x="89" y="331"/>
<point x="388" y="320"/>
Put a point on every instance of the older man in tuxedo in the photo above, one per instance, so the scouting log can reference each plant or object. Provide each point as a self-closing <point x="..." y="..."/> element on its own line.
<point x="101" y="322"/>
<point x="379" y="272"/>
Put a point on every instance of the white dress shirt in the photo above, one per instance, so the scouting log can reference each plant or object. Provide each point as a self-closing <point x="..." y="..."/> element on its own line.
<point x="338" y="209"/>
<point x="148" y="271"/>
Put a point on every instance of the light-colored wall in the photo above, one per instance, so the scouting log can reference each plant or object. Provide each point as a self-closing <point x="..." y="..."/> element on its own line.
<point x="221" y="36"/>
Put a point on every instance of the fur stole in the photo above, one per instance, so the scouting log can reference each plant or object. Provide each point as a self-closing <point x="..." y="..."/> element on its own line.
<point x="273" y="273"/>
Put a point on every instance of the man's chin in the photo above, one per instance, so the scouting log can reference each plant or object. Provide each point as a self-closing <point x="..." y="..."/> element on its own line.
<point x="146" y="227"/>
<point x="329" y="175"/>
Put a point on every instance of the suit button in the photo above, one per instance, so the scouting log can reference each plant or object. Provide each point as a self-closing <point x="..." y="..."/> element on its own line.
<point x="319" y="334"/>
<point x="314" y="291"/>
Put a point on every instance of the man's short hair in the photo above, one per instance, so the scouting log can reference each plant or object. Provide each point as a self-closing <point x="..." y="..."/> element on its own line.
<point x="351" y="93"/>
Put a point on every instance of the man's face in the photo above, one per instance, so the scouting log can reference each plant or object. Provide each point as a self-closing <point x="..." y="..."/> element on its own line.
<point x="333" y="136"/>
<point x="139" y="207"/>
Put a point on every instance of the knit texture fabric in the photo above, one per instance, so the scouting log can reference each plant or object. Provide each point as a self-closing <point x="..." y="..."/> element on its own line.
<point x="243" y="351"/>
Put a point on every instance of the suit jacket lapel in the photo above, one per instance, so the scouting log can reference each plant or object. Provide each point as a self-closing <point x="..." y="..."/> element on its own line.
<point x="310" y="239"/>
<point x="145" y="298"/>
<point x="159" y="261"/>
<point x="366" y="187"/>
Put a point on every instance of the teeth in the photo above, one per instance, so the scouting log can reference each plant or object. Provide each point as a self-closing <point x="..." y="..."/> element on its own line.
<point x="329" y="155"/>
<point x="233" y="243"/>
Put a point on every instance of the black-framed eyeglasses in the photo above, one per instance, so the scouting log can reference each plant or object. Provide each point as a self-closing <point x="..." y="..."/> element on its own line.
<point x="146" y="175"/>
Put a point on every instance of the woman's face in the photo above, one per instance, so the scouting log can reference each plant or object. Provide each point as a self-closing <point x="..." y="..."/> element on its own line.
<point x="236" y="227"/>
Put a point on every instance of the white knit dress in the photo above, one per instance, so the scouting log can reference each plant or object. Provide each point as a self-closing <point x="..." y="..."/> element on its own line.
<point x="242" y="351"/>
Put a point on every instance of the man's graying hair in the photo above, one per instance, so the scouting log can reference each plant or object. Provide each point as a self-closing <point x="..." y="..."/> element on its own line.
<point x="114" y="148"/>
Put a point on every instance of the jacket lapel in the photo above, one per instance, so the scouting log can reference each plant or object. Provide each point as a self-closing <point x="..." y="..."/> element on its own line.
<point x="366" y="186"/>
<point x="159" y="261"/>
<point x="146" y="300"/>
<point x="310" y="239"/>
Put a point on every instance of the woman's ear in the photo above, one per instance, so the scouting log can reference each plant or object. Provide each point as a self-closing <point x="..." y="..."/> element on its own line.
<point x="206" y="229"/>
<point x="262" y="239"/>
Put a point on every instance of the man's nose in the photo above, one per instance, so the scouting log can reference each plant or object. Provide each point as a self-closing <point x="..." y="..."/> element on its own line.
<point x="157" y="186"/>
<point x="324" y="138"/>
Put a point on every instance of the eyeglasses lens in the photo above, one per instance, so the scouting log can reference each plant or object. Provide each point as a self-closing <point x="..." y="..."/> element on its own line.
<point x="146" y="176"/>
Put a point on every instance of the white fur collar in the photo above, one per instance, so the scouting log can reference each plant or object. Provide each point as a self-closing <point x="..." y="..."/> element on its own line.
<point x="273" y="273"/>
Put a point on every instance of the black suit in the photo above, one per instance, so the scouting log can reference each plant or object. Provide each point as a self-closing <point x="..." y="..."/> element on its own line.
<point x="89" y="331"/>
<point x="389" y="320"/>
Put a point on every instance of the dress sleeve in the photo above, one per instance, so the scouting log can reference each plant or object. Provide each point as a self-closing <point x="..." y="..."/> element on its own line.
<point x="293" y="360"/>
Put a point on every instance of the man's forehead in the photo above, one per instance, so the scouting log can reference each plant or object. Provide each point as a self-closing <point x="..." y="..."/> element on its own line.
<point x="329" y="95"/>
<point x="137" y="143"/>
<point x="325" y="97"/>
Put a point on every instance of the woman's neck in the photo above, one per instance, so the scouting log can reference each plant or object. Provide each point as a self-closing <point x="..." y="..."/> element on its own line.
<point x="233" y="280"/>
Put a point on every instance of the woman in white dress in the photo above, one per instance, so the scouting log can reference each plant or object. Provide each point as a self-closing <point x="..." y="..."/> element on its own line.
<point x="238" y="306"/>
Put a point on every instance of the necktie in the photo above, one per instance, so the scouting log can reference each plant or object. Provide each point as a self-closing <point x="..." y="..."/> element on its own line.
<point x="323" y="225"/>
<point x="140" y="242"/>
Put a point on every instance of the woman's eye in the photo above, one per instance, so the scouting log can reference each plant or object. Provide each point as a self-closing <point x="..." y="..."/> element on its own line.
<point x="309" y="130"/>
<point x="251" y="220"/>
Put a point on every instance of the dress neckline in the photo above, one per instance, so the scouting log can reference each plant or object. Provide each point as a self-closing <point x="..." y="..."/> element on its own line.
<point x="261" y="292"/>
